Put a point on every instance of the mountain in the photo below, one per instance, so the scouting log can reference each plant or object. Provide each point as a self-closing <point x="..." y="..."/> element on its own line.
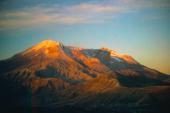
<point x="60" y="78"/>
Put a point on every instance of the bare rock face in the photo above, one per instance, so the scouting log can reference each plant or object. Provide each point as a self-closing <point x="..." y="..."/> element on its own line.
<point x="50" y="74"/>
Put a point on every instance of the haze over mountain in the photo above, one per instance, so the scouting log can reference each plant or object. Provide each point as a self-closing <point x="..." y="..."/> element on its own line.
<point x="61" y="77"/>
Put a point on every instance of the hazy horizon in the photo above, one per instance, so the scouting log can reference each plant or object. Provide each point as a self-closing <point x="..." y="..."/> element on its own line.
<point x="137" y="28"/>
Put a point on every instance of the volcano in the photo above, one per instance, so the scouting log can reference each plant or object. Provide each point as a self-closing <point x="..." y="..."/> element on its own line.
<point x="52" y="77"/>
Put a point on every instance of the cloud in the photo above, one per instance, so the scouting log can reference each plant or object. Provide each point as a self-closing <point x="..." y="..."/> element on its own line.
<point x="98" y="8"/>
<point x="77" y="14"/>
<point x="146" y="4"/>
<point x="83" y="13"/>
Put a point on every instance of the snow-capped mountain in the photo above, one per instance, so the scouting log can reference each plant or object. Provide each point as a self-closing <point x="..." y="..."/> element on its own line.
<point x="55" y="75"/>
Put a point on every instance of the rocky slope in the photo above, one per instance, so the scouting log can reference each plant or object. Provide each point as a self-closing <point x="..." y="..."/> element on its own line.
<point x="55" y="76"/>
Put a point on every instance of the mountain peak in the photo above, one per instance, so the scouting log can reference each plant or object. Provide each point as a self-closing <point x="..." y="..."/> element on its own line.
<point x="105" y="49"/>
<point x="49" y="43"/>
<point x="47" y="46"/>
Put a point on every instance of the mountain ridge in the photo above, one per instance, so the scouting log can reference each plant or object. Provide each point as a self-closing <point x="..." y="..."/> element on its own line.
<point x="54" y="75"/>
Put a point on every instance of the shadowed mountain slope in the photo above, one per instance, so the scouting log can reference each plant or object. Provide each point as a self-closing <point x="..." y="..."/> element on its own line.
<point x="56" y="76"/>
